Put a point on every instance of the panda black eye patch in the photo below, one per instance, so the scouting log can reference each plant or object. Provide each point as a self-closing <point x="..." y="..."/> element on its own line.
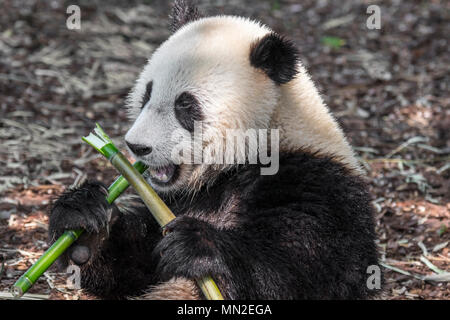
<point x="147" y="94"/>
<point x="187" y="110"/>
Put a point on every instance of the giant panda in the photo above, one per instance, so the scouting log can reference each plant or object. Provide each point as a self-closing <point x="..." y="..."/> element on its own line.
<point x="305" y="232"/>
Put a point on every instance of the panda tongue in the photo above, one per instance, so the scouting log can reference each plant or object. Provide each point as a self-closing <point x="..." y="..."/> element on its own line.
<point x="162" y="174"/>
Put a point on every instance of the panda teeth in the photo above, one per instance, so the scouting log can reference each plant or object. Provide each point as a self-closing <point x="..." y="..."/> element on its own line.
<point x="162" y="175"/>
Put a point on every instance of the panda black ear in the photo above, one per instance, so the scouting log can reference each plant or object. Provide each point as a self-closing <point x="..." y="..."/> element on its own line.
<point x="183" y="12"/>
<point x="276" y="56"/>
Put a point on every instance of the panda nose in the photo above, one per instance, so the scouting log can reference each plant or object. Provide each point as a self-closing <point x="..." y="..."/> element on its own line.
<point x="139" y="149"/>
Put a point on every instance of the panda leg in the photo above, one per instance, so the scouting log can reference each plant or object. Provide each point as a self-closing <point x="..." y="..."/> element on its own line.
<point x="123" y="265"/>
<point x="174" y="289"/>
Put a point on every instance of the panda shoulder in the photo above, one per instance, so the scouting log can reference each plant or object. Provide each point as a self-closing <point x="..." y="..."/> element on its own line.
<point x="305" y="177"/>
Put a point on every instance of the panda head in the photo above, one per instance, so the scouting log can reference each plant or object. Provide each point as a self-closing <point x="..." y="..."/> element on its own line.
<point x="224" y="72"/>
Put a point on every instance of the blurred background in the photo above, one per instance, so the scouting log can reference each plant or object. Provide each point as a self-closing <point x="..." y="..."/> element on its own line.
<point x="388" y="88"/>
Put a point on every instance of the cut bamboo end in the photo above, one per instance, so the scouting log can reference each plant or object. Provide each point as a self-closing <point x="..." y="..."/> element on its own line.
<point x="209" y="288"/>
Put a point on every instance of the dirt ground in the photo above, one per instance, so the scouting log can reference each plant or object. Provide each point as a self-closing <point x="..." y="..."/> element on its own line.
<point x="388" y="88"/>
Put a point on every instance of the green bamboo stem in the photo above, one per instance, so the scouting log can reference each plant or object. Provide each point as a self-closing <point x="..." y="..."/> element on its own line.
<point x="29" y="278"/>
<point x="163" y="215"/>
<point x="209" y="288"/>
<point x="157" y="207"/>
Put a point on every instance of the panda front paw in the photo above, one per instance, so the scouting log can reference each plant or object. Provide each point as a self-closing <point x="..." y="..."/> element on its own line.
<point x="84" y="207"/>
<point x="188" y="249"/>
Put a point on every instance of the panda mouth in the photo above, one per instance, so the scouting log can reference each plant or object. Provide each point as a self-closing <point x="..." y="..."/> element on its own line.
<point x="163" y="175"/>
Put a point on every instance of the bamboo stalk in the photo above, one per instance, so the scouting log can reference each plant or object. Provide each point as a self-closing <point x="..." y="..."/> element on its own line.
<point x="28" y="279"/>
<point x="131" y="174"/>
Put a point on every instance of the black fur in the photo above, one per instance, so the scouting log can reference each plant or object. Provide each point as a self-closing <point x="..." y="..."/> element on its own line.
<point x="188" y="110"/>
<point x="90" y="209"/>
<point x="305" y="233"/>
<point x="199" y="255"/>
<point x="147" y="94"/>
<point x="276" y="56"/>
<point x="183" y="12"/>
